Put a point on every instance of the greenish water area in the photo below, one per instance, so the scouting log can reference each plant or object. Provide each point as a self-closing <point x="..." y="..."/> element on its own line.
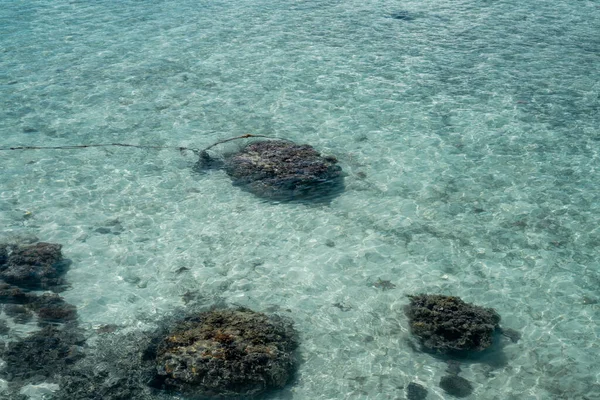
<point x="468" y="133"/>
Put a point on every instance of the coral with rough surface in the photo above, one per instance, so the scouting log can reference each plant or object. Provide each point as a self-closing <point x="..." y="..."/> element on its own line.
<point x="3" y="254"/>
<point x="227" y="353"/>
<point x="49" y="307"/>
<point x="13" y="295"/>
<point x="45" y="355"/>
<point x="35" y="266"/>
<point x="115" y="368"/>
<point x="18" y="312"/>
<point x="281" y="170"/>
<point x="36" y="254"/>
<point x="42" y="354"/>
<point x="446" y="324"/>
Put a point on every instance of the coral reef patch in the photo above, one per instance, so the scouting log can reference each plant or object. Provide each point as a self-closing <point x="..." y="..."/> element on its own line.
<point x="33" y="266"/>
<point x="284" y="171"/>
<point x="21" y="305"/>
<point x="231" y="353"/>
<point x="117" y="366"/>
<point x="227" y="354"/>
<point x="42" y="355"/>
<point x="3" y="254"/>
<point x="448" y="325"/>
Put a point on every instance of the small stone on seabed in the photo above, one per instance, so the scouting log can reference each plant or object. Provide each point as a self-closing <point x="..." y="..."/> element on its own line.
<point x="414" y="391"/>
<point x="512" y="334"/>
<point x="456" y="386"/>
<point x="383" y="284"/>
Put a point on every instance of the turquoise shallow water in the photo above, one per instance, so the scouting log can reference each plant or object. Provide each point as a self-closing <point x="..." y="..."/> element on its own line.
<point x="468" y="130"/>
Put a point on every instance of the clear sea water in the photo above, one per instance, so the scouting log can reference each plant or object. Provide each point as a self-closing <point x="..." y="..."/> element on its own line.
<point x="469" y="132"/>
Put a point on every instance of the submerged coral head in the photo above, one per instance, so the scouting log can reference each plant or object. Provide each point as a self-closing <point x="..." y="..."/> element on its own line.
<point x="446" y="324"/>
<point x="285" y="171"/>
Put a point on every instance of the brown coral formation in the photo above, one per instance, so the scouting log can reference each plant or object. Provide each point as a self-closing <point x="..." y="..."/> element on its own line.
<point x="33" y="266"/>
<point x="282" y="170"/>
<point x="227" y="353"/>
<point x="446" y="324"/>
